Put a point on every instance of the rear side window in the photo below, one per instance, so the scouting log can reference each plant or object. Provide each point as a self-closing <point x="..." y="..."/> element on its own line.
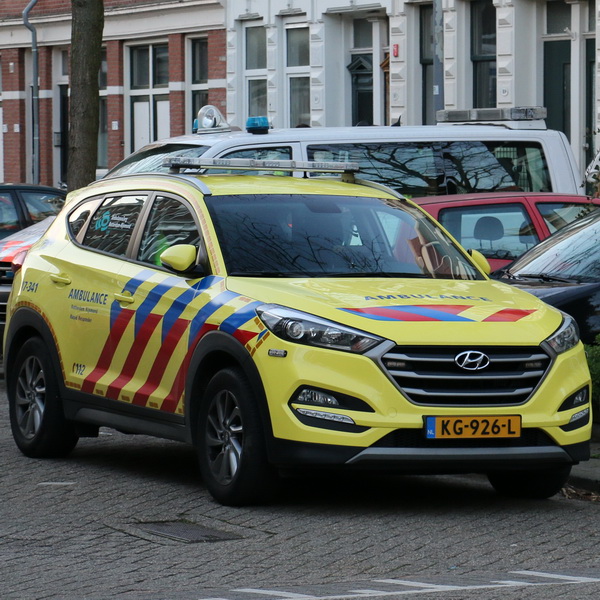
<point x="436" y="168"/>
<point x="504" y="231"/>
<point x="558" y="214"/>
<point x="112" y="225"/>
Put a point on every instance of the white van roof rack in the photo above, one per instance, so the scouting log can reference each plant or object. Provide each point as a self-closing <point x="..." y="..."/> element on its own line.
<point x="517" y="117"/>
<point x="176" y="163"/>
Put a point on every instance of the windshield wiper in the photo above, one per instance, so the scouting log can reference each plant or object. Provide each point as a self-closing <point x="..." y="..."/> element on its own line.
<point x="544" y="277"/>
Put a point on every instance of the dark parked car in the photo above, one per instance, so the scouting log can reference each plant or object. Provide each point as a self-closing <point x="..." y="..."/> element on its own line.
<point x="564" y="271"/>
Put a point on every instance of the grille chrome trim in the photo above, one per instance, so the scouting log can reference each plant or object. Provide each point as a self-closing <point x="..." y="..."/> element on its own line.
<point x="430" y="377"/>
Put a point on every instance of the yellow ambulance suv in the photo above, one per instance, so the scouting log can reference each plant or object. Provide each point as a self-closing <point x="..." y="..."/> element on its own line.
<point x="275" y="322"/>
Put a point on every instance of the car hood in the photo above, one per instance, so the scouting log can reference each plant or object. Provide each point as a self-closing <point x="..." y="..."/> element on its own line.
<point x="23" y="240"/>
<point x="414" y="311"/>
<point x="554" y="292"/>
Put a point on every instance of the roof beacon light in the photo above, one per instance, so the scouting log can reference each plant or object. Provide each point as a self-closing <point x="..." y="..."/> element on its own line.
<point x="175" y="163"/>
<point x="257" y="125"/>
<point x="210" y="120"/>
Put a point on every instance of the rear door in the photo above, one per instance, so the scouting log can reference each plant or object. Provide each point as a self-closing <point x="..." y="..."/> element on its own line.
<point x="85" y="277"/>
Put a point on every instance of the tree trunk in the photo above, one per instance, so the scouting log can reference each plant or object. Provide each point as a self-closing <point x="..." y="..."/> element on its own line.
<point x="86" y="53"/>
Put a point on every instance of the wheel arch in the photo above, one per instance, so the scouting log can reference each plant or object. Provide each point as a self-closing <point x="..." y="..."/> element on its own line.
<point x="216" y="351"/>
<point x="24" y="324"/>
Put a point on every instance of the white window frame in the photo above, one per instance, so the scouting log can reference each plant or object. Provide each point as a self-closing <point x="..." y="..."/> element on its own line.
<point x="153" y="94"/>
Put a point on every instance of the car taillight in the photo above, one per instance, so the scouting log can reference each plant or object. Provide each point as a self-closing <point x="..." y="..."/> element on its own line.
<point x="17" y="261"/>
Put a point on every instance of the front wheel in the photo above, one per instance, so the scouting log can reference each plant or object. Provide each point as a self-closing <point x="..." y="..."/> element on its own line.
<point x="37" y="420"/>
<point x="231" y="442"/>
<point x="535" y="483"/>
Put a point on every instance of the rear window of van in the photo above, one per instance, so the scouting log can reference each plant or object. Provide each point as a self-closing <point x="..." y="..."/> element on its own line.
<point x="451" y="167"/>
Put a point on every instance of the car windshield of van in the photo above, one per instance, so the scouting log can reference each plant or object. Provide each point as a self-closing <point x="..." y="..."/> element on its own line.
<point x="444" y="167"/>
<point x="332" y="236"/>
<point x="150" y="159"/>
<point x="571" y="254"/>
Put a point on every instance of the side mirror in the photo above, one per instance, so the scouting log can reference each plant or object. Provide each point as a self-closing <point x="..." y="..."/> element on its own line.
<point x="180" y="258"/>
<point x="480" y="260"/>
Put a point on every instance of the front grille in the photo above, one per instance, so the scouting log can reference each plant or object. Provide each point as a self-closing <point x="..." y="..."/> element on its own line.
<point x="6" y="273"/>
<point x="431" y="377"/>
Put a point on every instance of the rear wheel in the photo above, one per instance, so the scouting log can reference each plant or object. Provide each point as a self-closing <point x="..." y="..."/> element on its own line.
<point x="231" y="442"/>
<point x="535" y="483"/>
<point x="37" y="419"/>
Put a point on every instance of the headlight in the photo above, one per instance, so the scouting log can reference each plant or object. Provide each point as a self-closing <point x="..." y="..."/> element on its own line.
<point x="302" y="328"/>
<point x="565" y="337"/>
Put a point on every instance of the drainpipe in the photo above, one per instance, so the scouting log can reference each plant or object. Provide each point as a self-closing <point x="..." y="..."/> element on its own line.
<point x="35" y="109"/>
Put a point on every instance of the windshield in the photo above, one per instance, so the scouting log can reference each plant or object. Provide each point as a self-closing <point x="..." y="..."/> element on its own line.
<point x="329" y="236"/>
<point x="571" y="253"/>
<point x="151" y="159"/>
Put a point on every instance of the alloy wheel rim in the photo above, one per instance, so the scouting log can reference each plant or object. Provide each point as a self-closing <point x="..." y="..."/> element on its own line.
<point x="30" y="397"/>
<point x="224" y="437"/>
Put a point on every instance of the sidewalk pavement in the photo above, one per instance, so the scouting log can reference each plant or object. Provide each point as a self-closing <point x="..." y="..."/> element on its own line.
<point x="586" y="475"/>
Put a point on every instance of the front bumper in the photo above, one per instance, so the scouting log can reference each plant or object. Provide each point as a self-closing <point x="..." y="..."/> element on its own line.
<point x="456" y="459"/>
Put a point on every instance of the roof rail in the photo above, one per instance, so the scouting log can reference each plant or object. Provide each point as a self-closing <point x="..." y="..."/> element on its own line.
<point x="176" y="163"/>
<point x="516" y="113"/>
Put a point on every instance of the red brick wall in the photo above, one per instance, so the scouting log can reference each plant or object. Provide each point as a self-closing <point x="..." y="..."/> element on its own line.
<point x="177" y="74"/>
<point x="13" y="111"/>
<point x="14" y="8"/>
<point x="115" y="103"/>
<point x="45" y="115"/>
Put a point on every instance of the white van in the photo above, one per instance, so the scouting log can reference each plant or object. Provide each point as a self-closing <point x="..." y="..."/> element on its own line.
<point x="480" y="150"/>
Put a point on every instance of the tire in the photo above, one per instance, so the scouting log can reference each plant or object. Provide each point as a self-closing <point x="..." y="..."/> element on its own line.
<point x="231" y="442"/>
<point x="535" y="484"/>
<point x="37" y="420"/>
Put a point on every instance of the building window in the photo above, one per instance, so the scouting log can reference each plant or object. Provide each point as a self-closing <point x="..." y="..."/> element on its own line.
<point x="558" y="16"/>
<point x="298" y="75"/>
<point x="149" y="73"/>
<point x="483" y="53"/>
<point x="361" y="72"/>
<point x="298" y="47"/>
<point x="199" y="75"/>
<point x="426" y="57"/>
<point x="256" y="48"/>
<point x="256" y="70"/>
<point x="257" y="97"/>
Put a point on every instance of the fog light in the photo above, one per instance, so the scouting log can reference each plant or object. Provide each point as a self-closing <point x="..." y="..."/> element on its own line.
<point x="317" y="414"/>
<point x="309" y="396"/>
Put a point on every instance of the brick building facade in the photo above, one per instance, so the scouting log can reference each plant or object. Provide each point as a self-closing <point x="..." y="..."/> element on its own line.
<point x="175" y="51"/>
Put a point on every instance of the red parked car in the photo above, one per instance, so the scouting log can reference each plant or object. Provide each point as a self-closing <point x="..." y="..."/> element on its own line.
<point x="503" y="225"/>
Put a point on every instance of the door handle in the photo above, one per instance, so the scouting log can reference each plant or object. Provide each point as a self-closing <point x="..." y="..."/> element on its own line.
<point x="126" y="298"/>
<point x="62" y="279"/>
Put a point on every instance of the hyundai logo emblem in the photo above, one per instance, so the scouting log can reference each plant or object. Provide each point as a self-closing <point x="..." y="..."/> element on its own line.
<point x="472" y="360"/>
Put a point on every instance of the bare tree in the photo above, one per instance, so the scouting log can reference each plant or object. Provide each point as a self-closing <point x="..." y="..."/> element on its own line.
<point x="86" y="56"/>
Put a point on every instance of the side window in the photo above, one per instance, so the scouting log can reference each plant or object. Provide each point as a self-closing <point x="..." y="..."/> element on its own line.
<point x="413" y="169"/>
<point x="113" y="223"/>
<point x="504" y="231"/>
<point x="80" y="217"/>
<point x="171" y="222"/>
<point x="473" y="166"/>
<point x="558" y="214"/>
<point x="260" y="153"/>
<point x="39" y="206"/>
<point x="9" y="219"/>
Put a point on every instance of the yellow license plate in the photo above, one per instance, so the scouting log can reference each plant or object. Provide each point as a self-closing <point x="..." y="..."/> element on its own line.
<point x="472" y="427"/>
